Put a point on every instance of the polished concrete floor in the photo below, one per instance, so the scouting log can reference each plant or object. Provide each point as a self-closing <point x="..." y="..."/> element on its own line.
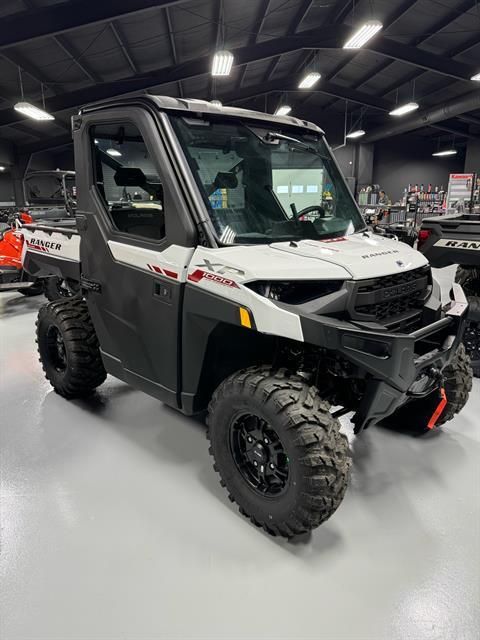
<point x="114" y="526"/>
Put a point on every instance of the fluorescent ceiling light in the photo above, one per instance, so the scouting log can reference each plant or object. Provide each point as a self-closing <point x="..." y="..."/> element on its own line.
<point x="217" y="103"/>
<point x="222" y="63"/>
<point x="403" y="109"/>
<point x="283" y="110"/>
<point x="356" y="134"/>
<point x="31" y="111"/>
<point x="446" y="152"/>
<point x="363" y="34"/>
<point x="114" y="152"/>
<point x="309" y="80"/>
<point x="476" y="77"/>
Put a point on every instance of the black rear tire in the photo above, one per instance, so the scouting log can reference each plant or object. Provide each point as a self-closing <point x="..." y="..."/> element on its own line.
<point x="69" y="349"/>
<point x="471" y="337"/>
<point x="61" y="288"/>
<point x="414" y="416"/>
<point x="311" y="457"/>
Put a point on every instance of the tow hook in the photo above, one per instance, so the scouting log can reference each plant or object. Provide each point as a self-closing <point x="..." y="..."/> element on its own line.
<point x="438" y="375"/>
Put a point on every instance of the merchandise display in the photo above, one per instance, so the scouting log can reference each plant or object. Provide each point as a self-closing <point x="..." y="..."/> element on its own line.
<point x="305" y="291"/>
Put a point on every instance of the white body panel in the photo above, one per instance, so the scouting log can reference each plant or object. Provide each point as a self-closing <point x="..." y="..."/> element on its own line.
<point x="53" y="244"/>
<point x="361" y="255"/>
<point x="171" y="263"/>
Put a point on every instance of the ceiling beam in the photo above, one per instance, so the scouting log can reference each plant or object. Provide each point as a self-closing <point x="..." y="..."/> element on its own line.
<point x="122" y="43"/>
<point x="399" y="12"/>
<point x="319" y="38"/>
<point x="286" y="83"/>
<point x="257" y="30"/>
<point x="177" y="72"/>
<point x="300" y="15"/>
<point x="440" y="24"/>
<point x="427" y="117"/>
<point x="74" y="57"/>
<point x="29" y="25"/>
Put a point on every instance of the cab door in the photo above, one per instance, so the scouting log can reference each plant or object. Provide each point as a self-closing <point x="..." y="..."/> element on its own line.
<point x="137" y="238"/>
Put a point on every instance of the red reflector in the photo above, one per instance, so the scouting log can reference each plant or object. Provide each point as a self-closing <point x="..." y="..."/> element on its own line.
<point x="423" y="236"/>
<point x="439" y="410"/>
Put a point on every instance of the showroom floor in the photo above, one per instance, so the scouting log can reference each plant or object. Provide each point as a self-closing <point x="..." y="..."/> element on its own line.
<point x="114" y="526"/>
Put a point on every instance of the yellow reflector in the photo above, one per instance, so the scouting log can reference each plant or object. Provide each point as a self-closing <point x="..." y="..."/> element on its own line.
<point x="245" y="318"/>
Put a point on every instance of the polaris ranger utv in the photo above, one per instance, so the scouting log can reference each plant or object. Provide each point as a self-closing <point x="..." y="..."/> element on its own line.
<point x="226" y="270"/>
<point x="447" y="240"/>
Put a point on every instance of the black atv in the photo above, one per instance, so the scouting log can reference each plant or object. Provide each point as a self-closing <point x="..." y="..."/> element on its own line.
<point x="447" y="240"/>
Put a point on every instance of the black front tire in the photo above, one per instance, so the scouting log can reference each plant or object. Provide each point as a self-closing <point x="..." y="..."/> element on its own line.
<point x="69" y="349"/>
<point x="316" y="454"/>
<point x="414" y="416"/>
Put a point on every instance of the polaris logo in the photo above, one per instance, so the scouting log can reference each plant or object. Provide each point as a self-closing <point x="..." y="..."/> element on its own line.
<point x="399" y="290"/>
<point x="470" y="245"/>
<point x="45" y="244"/>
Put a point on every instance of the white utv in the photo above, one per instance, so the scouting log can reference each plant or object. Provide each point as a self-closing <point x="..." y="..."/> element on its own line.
<point x="225" y="269"/>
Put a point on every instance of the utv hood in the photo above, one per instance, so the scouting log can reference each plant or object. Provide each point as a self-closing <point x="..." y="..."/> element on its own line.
<point x="363" y="255"/>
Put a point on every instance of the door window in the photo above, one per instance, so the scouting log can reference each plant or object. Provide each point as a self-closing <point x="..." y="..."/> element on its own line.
<point x="127" y="181"/>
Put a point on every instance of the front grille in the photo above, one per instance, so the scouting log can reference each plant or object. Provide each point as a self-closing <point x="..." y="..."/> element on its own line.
<point x="395" y="301"/>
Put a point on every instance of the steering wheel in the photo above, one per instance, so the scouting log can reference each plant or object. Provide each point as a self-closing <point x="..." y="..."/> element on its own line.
<point x="303" y="212"/>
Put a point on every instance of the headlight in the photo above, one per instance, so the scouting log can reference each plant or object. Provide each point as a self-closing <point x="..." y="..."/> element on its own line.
<point x="295" y="291"/>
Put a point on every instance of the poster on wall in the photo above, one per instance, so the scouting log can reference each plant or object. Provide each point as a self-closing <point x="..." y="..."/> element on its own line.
<point x="459" y="193"/>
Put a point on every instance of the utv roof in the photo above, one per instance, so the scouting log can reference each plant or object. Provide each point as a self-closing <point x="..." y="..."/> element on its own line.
<point x="167" y="103"/>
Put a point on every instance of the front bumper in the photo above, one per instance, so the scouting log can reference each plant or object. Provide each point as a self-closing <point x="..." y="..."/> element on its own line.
<point x="397" y="367"/>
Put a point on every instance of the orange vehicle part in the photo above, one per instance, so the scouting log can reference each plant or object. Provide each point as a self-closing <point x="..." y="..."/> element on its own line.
<point x="11" y="246"/>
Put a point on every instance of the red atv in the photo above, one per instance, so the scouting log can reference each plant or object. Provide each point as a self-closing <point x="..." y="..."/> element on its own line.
<point x="12" y="275"/>
<point x="51" y="196"/>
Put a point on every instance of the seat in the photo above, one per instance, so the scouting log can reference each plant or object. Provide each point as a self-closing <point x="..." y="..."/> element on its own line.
<point x="145" y="222"/>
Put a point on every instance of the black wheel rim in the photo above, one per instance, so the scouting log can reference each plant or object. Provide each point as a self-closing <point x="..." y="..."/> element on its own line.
<point x="259" y="455"/>
<point x="64" y="289"/>
<point x="471" y="340"/>
<point x="56" y="349"/>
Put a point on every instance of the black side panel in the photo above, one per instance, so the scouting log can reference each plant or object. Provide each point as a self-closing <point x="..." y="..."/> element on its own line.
<point x="43" y="265"/>
<point x="135" y="323"/>
<point x="215" y="345"/>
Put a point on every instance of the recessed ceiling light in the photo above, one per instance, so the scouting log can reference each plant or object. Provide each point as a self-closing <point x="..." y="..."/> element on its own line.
<point x="114" y="152"/>
<point x="309" y="80"/>
<point x="476" y="77"/>
<point x="356" y="134"/>
<point x="403" y="109"/>
<point x="363" y="34"/>
<point x="31" y="111"/>
<point x="283" y="110"/>
<point x="445" y="152"/>
<point x="222" y="63"/>
<point x="2" y="168"/>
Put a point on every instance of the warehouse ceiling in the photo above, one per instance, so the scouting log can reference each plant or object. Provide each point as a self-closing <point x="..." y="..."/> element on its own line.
<point x="73" y="52"/>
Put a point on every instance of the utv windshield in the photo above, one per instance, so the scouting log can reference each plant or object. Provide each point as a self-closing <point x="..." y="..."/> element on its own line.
<point x="263" y="185"/>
